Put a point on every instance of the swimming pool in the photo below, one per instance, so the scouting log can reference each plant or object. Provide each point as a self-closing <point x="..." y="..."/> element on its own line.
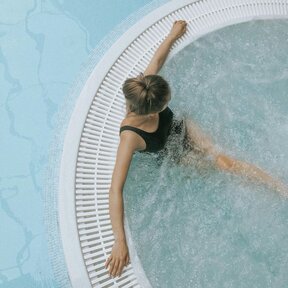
<point x="98" y="136"/>
<point x="196" y="227"/>
<point x="32" y="257"/>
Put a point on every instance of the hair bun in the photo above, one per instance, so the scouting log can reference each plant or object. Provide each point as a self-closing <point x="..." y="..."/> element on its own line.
<point x="146" y="83"/>
<point x="146" y="93"/>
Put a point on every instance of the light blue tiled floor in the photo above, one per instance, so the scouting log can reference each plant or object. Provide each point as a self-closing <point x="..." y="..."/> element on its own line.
<point x="43" y="46"/>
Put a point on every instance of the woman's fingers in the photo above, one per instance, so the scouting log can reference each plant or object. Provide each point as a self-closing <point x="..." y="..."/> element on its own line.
<point x="112" y="267"/>
<point x="115" y="268"/>
<point x="117" y="271"/>
<point x="178" y="29"/>
<point x="120" y="268"/>
<point x="111" y="264"/>
<point x="180" y="21"/>
<point x="108" y="261"/>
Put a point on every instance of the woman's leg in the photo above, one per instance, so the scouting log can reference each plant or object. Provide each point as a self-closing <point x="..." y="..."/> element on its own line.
<point x="250" y="171"/>
<point x="202" y="145"/>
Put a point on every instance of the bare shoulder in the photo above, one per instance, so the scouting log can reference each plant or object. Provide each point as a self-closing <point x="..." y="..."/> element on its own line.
<point x="131" y="138"/>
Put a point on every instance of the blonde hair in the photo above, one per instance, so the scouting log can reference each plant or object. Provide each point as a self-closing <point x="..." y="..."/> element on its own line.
<point x="146" y="94"/>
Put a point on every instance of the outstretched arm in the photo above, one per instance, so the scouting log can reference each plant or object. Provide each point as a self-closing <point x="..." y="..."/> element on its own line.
<point x="120" y="255"/>
<point x="157" y="61"/>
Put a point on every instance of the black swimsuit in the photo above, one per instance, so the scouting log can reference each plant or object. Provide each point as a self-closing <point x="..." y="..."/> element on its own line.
<point x="155" y="141"/>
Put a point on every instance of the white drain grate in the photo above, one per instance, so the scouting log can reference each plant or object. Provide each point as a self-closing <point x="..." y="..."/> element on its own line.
<point x="93" y="134"/>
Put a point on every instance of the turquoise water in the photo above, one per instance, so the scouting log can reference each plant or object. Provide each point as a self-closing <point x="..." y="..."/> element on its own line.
<point x="224" y="230"/>
<point x="200" y="227"/>
<point x="47" y="50"/>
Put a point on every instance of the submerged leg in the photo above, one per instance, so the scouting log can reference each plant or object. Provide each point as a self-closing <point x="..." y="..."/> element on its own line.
<point x="250" y="171"/>
<point x="203" y="146"/>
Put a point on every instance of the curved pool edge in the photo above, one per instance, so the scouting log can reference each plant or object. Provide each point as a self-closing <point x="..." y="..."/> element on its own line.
<point x="94" y="81"/>
<point x="51" y="171"/>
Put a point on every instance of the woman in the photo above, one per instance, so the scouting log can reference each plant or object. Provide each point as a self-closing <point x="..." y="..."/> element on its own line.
<point x="146" y="127"/>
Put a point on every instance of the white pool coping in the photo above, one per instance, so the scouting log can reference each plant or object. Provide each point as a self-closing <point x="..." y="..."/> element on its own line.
<point x="92" y="136"/>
